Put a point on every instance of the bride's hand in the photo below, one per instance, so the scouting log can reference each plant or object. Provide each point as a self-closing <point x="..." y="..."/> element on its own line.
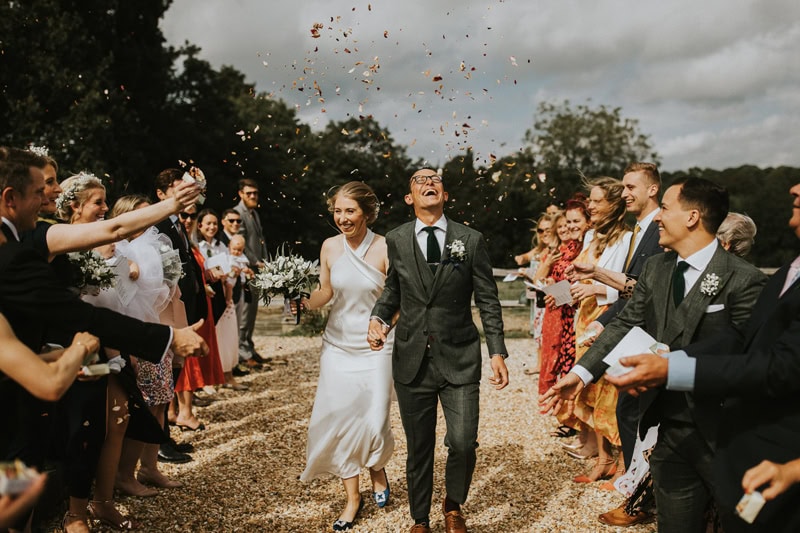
<point x="303" y="305"/>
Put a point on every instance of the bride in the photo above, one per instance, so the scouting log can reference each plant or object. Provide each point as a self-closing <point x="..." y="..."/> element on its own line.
<point x="349" y="427"/>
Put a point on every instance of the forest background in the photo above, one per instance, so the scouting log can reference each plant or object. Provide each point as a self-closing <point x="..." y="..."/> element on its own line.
<point x="96" y="82"/>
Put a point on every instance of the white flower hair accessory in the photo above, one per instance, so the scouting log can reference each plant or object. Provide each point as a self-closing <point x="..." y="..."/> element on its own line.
<point x="710" y="284"/>
<point x="458" y="252"/>
<point x="41" y="151"/>
<point x="81" y="181"/>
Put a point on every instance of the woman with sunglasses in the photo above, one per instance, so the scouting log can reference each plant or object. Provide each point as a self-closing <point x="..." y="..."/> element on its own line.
<point x="198" y="372"/>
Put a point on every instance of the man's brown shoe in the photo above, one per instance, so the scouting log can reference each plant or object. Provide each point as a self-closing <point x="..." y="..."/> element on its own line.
<point x="420" y="528"/>
<point x="618" y="517"/>
<point x="454" y="521"/>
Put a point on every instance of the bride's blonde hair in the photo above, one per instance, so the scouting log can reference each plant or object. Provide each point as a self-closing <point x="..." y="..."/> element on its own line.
<point x="76" y="189"/>
<point x="362" y="194"/>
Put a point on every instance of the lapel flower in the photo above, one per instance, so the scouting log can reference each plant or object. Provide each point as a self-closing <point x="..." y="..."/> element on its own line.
<point x="457" y="250"/>
<point x="710" y="284"/>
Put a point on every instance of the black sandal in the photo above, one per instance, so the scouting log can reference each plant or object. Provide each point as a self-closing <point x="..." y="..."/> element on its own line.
<point x="563" y="432"/>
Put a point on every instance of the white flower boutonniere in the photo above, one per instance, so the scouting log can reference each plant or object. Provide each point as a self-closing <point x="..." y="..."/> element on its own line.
<point x="710" y="284"/>
<point x="457" y="250"/>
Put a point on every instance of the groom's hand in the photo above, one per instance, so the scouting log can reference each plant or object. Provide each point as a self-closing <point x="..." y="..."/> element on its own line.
<point x="376" y="336"/>
<point x="499" y="372"/>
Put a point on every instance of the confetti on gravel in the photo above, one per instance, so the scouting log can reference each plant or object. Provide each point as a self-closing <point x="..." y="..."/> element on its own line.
<point x="244" y="476"/>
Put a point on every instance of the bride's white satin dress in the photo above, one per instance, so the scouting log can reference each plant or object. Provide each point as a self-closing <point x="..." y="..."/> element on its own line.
<point x="349" y="427"/>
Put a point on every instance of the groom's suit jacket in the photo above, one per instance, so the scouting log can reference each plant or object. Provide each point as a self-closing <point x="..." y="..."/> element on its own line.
<point x="435" y="310"/>
<point x="699" y="315"/>
<point x="761" y="415"/>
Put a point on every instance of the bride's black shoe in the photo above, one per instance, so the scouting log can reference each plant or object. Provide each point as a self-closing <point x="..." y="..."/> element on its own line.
<point x="341" y="525"/>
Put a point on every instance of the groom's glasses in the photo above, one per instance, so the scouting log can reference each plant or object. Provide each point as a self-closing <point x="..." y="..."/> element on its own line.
<point x="420" y="180"/>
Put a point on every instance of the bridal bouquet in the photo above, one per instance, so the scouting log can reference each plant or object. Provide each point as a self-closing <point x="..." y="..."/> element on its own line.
<point x="286" y="275"/>
<point x="91" y="272"/>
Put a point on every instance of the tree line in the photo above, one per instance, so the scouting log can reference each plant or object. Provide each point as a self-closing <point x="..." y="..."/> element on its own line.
<point x="95" y="82"/>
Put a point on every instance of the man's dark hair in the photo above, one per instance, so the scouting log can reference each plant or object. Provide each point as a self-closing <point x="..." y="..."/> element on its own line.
<point x="247" y="182"/>
<point x="230" y="212"/>
<point x="167" y="178"/>
<point x="707" y="197"/>
<point x="15" y="168"/>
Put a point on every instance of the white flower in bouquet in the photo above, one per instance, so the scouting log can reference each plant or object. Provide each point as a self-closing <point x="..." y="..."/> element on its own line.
<point x="92" y="273"/>
<point x="284" y="275"/>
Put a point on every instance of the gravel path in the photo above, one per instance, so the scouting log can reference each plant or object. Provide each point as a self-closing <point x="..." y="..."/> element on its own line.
<point x="245" y="473"/>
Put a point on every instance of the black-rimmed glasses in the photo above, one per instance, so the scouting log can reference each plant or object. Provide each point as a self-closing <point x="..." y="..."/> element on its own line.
<point x="421" y="179"/>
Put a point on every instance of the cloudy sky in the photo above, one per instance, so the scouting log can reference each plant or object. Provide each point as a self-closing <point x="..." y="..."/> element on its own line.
<point x="715" y="83"/>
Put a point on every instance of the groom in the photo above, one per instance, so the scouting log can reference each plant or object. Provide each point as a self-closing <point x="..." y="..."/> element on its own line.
<point x="436" y="266"/>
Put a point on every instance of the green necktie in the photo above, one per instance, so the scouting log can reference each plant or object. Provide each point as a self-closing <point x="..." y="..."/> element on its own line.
<point x="434" y="254"/>
<point x="678" y="283"/>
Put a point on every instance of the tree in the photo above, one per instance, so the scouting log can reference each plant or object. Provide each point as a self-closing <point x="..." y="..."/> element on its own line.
<point x="570" y="142"/>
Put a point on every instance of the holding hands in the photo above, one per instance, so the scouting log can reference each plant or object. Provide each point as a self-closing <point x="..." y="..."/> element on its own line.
<point x="376" y="336"/>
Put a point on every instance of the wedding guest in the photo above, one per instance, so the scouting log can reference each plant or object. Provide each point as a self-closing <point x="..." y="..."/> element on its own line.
<point x="540" y="247"/>
<point x="83" y="201"/>
<point x="737" y="234"/>
<point x="256" y="251"/>
<point x="755" y="367"/>
<point x="605" y="245"/>
<point x="553" y="321"/>
<point x="187" y="307"/>
<point x="693" y="305"/>
<point x="436" y="356"/>
<point x="231" y="224"/>
<point x="642" y="186"/>
<point x="350" y="428"/>
<point x="226" y="325"/>
<point x="198" y="372"/>
<point x="155" y="289"/>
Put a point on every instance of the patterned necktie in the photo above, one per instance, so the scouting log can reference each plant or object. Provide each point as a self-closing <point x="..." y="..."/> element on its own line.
<point x="678" y="283"/>
<point x="632" y="247"/>
<point x="434" y="254"/>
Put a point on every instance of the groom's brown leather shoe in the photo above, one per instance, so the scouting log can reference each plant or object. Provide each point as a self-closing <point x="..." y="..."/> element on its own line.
<point x="454" y="521"/>
<point x="420" y="528"/>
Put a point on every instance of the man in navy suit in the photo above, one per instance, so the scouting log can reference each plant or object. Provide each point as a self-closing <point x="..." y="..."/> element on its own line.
<point x="757" y="368"/>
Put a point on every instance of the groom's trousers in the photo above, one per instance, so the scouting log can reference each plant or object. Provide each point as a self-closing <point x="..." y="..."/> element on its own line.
<point x="418" y="403"/>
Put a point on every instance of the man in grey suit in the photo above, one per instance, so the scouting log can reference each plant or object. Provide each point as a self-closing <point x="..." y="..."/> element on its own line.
<point x="256" y="251"/>
<point x="436" y="266"/>
<point x="692" y="292"/>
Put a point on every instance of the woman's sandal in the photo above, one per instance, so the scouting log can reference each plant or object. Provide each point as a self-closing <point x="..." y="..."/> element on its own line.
<point x="601" y="470"/>
<point x="563" y="432"/>
<point x="69" y="518"/>
<point x="125" y="524"/>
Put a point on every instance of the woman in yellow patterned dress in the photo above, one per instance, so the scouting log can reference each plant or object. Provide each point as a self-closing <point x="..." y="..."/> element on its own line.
<point x="605" y="245"/>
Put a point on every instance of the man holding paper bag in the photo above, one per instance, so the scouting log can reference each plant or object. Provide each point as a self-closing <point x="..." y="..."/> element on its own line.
<point x="681" y="296"/>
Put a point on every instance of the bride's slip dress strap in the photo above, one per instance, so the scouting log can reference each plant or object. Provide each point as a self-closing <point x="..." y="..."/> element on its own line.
<point x="362" y="249"/>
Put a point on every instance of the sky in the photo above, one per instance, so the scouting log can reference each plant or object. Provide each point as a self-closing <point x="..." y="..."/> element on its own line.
<point x="713" y="83"/>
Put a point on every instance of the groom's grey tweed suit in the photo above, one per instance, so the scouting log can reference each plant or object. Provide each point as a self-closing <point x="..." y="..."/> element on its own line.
<point x="437" y="355"/>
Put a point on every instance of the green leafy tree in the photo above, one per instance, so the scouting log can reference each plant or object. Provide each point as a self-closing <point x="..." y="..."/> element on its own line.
<point x="569" y="142"/>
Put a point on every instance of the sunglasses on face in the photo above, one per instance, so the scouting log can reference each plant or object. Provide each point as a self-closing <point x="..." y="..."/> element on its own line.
<point x="184" y="216"/>
<point x="233" y="220"/>
<point x="420" y="180"/>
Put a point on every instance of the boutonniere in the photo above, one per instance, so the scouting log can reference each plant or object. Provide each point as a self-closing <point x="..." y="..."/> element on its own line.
<point x="457" y="251"/>
<point x="710" y="284"/>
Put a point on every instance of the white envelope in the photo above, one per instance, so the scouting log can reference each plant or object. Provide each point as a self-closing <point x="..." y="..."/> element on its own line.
<point x="637" y="341"/>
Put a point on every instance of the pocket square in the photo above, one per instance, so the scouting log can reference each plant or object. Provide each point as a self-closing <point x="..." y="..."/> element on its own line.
<point x="713" y="308"/>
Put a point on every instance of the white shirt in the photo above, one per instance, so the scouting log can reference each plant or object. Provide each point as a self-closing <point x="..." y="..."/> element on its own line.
<point x="422" y="235"/>
<point x="698" y="262"/>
